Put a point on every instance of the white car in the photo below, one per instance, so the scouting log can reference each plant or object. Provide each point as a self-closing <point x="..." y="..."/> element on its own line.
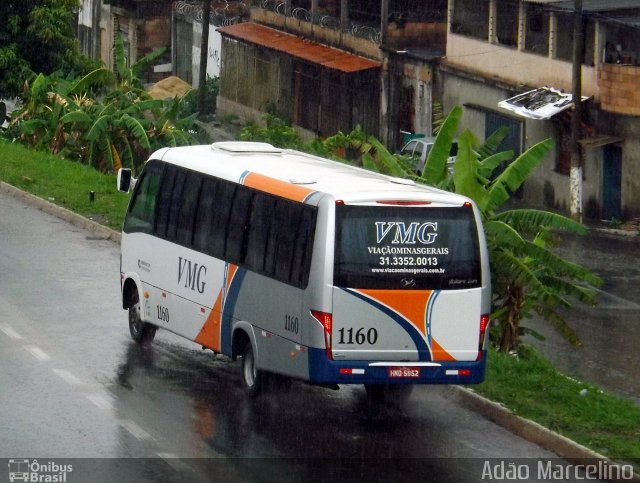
<point x="418" y="150"/>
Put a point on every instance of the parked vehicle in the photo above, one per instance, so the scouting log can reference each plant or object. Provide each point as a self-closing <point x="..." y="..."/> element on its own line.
<point x="418" y="151"/>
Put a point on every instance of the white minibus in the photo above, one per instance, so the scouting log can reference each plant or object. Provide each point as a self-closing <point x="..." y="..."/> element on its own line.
<point x="306" y="268"/>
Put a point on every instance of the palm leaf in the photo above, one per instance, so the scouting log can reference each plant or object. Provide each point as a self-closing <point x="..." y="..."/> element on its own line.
<point x="78" y="116"/>
<point x="136" y="129"/>
<point x="492" y="143"/>
<point x="490" y="163"/>
<point x="386" y="159"/>
<point x="100" y="76"/>
<point x="99" y="127"/>
<point x="465" y="175"/>
<point x="435" y="170"/>
<point x="530" y="220"/>
<point x="516" y="173"/>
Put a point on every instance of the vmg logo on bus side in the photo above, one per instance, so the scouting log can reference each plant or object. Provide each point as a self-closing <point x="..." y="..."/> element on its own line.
<point x="192" y="274"/>
<point x="424" y="233"/>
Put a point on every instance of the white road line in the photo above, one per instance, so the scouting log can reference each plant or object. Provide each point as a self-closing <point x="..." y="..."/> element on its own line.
<point x="9" y="332"/>
<point x="38" y="353"/>
<point x="100" y="401"/>
<point x="135" y="430"/>
<point x="67" y="376"/>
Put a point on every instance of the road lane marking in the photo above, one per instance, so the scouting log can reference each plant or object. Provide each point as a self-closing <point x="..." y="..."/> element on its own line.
<point x="67" y="376"/>
<point x="38" y="353"/>
<point x="135" y="430"/>
<point x="100" y="401"/>
<point x="9" y="332"/>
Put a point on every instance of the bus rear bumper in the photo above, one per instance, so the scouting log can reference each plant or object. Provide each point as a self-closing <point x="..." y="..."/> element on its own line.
<point x="323" y="370"/>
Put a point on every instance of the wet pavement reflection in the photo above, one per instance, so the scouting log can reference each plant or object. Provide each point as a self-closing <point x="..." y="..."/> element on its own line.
<point x="610" y="332"/>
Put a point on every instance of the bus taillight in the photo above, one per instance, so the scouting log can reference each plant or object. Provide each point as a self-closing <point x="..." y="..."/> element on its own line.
<point x="326" y="319"/>
<point x="484" y="323"/>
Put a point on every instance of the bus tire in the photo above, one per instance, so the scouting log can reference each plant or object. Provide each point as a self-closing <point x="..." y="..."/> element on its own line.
<point x="252" y="377"/>
<point x="141" y="332"/>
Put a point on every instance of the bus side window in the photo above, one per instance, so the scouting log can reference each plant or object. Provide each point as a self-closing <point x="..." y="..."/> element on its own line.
<point x="142" y="209"/>
<point x="174" y="207"/>
<point x="303" y="247"/>
<point x="260" y="225"/>
<point x="203" y="226"/>
<point x="164" y="200"/>
<point x="221" y="211"/>
<point x="238" y="223"/>
<point x="187" y="212"/>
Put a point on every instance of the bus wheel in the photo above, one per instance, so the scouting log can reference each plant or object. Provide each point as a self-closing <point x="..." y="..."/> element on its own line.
<point x="141" y="332"/>
<point x="252" y="377"/>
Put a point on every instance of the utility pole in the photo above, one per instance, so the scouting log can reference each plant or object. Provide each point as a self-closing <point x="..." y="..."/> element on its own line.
<point x="575" y="180"/>
<point x="204" y="53"/>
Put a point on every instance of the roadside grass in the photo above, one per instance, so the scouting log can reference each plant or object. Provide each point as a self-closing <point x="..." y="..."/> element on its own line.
<point x="533" y="388"/>
<point x="65" y="183"/>
<point x="529" y="384"/>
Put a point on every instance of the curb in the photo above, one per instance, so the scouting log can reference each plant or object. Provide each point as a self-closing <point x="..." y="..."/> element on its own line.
<point x="493" y="411"/>
<point x="98" y="230"/>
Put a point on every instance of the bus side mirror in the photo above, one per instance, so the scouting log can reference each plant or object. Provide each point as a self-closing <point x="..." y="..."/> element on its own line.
<point x="125" y="181"/>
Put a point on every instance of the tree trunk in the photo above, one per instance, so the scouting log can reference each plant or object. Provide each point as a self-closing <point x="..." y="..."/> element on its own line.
<point x="204" y="51"/>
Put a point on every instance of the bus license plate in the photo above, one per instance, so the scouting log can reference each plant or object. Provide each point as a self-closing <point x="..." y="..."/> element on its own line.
<point x="403" y="372"/>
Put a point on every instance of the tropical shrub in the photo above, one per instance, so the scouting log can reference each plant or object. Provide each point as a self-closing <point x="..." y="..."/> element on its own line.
<point x="119" y="128"/>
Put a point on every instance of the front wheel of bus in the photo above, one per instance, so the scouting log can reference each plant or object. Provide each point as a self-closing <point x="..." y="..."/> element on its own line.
<point x="142" y="332"/>
<point x="251" y="375"/>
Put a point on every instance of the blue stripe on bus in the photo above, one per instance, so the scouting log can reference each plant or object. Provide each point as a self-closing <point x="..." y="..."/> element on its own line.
<point x="228" y="310"/>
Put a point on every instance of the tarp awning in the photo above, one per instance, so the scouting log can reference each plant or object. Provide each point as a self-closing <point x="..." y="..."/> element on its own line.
<point x="298" y="47"/>
<point x="541" y="103"/>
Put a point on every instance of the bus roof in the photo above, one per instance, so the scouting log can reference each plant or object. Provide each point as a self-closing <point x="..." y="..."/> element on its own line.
<point x="232" y="160"/>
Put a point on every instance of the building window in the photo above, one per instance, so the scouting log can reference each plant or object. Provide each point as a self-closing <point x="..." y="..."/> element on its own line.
<point x="471" y="18"/>
<point x="564" y="38"/>
<point x="507" y="23"/>
<point x="537" y="30"/>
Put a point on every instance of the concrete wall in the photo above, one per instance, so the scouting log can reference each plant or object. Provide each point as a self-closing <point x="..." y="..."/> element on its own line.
<point x="510" y="65"/>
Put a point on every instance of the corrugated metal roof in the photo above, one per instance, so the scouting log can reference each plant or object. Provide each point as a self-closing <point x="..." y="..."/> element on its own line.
<point x="298" y="47"/>
<point x="592" y="5"/>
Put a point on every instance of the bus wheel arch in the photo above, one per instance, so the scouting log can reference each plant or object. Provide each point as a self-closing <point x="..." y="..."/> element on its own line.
<point x="142" y="332"/>
<point x="129" y="292"/>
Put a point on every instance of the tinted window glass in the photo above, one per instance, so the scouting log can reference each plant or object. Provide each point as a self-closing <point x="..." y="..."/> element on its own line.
<point x="237" y="233"/>
<point x="260" y="224"/>
<point x="221" y="211"/>
<point x="188" y="206"/>
<point x="142" y="209"/>
<point x="406" y="248"/>
<point x="164" y="200"/>
<point x="204" y="215"/>
<point x="174" y="207"/>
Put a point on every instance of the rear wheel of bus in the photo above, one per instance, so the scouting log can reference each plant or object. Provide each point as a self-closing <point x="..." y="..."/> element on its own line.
<point x="142" y="332"/>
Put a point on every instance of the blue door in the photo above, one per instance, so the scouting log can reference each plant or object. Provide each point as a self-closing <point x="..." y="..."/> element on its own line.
<point x="611" y="182"/>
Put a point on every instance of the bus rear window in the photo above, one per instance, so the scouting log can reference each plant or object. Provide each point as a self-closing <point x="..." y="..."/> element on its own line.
<point x="406" y="248"/>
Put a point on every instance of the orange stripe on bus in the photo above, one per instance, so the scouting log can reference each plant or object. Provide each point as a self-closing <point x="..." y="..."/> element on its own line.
<point x="439" y="354"/>
<point x="209" y="335"/>
<point x="277" y="187"/>
<point x="411" y="304"/>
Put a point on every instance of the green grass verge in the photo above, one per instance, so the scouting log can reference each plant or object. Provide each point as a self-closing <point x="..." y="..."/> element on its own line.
<point x="529" y="385"/>
<point x="533" y="388"/>
<point x="64" y="183"/>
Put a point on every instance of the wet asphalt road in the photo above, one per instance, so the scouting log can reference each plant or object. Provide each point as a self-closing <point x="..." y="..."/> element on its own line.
<point x="610" y="332"/>
<point x="73" y="385"/>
